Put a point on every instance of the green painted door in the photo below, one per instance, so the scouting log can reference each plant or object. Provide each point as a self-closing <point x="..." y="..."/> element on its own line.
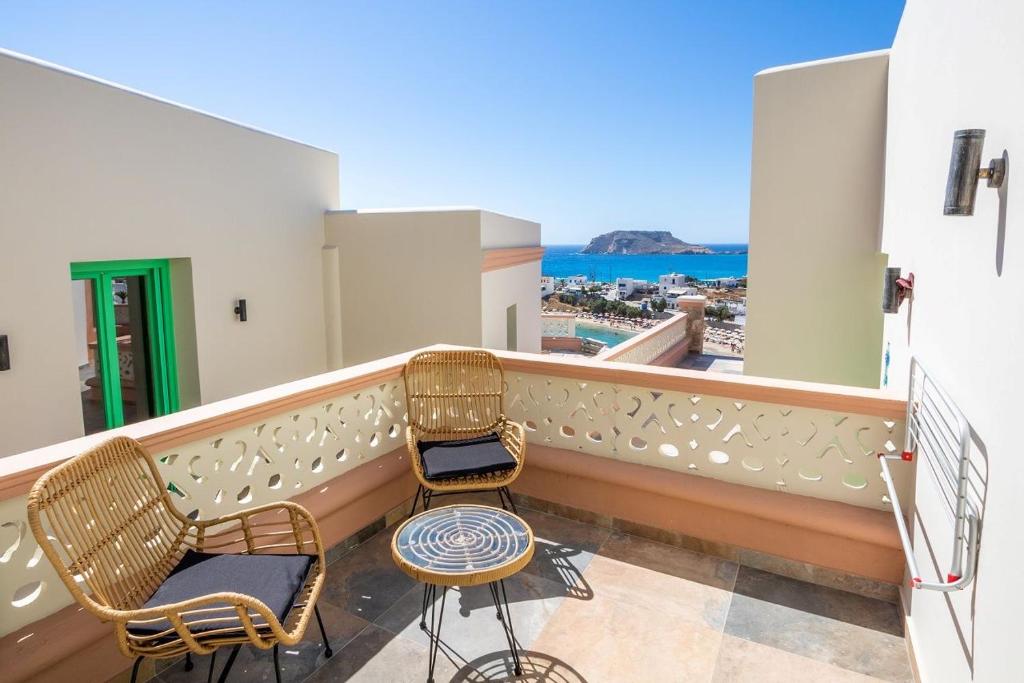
<point x="130" y="372"/>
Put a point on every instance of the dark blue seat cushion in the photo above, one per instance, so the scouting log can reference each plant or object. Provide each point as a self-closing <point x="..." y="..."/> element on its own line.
<point x="464" y="457"/>
<point x="274" y="580"/>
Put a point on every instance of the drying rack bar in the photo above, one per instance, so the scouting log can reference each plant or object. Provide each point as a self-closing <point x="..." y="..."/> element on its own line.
<point x="953" y="583"/>
<point x="938" y="434"/>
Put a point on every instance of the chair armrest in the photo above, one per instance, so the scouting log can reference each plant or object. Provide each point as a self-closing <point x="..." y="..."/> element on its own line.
<point x="261" y="533"/>
<point x="513" y="438"/>
<point x="230" y="610"/>
<point x="415" y="459"/>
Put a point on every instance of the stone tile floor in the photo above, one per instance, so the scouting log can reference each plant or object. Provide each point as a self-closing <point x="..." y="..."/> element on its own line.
<point x="593" y="605"/>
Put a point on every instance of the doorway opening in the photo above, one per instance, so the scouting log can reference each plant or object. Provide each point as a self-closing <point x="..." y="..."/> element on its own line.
<point x="125" y="331"/>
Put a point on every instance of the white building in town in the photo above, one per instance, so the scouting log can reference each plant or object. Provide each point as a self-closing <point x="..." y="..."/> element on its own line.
<point x="577" y="280"/>
<point x="673" y="294"/>
<point x="626" y="286"/>
<point x="547" y="285"/>
<point x="666" y="282"/>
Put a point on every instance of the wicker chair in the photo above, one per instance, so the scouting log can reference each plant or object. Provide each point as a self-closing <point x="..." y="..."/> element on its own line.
<point x="172" y="585"/>
<point x="458" y="436"/>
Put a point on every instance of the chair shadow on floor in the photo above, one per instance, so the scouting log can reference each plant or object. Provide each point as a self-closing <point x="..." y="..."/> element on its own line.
<point x="537" y="668"/>
<point x="557" y="557"/>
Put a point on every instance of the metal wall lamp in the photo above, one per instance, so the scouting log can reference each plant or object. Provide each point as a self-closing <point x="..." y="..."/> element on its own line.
<point x="965" y="171"/>
<point x="5" y="353"/>
<point x="240" y="311"/>
<point x="896" y="289"/>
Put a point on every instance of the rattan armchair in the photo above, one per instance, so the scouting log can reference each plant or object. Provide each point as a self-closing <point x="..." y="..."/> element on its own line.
<point x="456" y="410"/>
<point x="105" y="521"/>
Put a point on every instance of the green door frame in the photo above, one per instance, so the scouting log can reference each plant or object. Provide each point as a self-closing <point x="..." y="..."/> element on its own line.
<point x="160" y="328"/>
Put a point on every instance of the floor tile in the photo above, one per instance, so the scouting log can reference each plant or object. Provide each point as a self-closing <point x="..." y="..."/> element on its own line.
<point x="470" y="628"/>
<point x="366" y="582"/>
<point x="607" y="640"/>
<point x="563" y="549"/>
<point x="850" y="631"/>
<point x="741" y="661"/>
<point x="379" y="656"/>
<point x="650" y="576"/>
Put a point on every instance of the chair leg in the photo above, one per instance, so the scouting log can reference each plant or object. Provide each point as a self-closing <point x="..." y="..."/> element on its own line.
<point x="508" y="494"/>
<point x="135" y="668"/>
<point x="213" y="660"/>
<point x="427" y="495"/>
<point x="323" y="632"/>
<point x="416" y="499"/>
<point x="277" y="666"/>
<point x="189" y="665"/>
<point x="227" y="667"/>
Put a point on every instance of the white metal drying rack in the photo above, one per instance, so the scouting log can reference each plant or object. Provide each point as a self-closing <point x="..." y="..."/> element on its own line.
<point x="939" y="437"/>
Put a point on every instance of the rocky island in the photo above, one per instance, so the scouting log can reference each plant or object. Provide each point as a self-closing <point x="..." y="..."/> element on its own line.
<point x="641" y="242"/>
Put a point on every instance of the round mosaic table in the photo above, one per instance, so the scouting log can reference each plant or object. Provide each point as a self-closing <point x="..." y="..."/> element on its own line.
<point x="463" y="545"/>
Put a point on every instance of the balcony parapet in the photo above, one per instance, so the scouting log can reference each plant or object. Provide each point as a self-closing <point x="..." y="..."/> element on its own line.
<point x="663" y="344"/>
<point x="284" y="442"/>
<point x="334" y="441"/>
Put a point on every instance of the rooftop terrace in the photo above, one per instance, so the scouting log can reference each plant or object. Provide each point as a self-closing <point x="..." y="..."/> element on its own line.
<point x="690" y="527"/>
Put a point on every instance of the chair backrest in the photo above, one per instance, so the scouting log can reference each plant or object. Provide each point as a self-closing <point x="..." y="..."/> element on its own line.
<point x="454" y="394"/>
<point x="105" y="519"/>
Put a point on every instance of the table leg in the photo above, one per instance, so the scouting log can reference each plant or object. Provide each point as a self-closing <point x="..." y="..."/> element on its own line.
<point x="427" y="599"/>
<point x="435" y="626"/>
<point x="500" y="597"/>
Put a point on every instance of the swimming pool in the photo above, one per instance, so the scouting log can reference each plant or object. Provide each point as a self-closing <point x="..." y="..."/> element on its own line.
<point x="610" y="336"/>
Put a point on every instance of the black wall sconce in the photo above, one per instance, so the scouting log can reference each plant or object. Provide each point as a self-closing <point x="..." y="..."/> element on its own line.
<point x="240" y="310"/>
<point x="895" y="289"/>
<point x="965" y="170"/>
<point x="5" y="353"/>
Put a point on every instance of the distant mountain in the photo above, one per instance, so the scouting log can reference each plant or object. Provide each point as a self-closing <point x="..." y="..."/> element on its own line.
<point x="641" y="242"/>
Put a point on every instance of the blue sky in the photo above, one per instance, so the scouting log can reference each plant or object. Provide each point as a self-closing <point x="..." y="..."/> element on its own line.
<point x="584" y="116"/>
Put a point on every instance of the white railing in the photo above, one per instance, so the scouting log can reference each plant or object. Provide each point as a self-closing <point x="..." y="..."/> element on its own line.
<point x="813" y="440"/>
<point x="648" y="346"/>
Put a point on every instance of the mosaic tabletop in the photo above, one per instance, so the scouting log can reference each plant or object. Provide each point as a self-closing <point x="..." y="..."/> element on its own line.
<point x="462" y="545"/>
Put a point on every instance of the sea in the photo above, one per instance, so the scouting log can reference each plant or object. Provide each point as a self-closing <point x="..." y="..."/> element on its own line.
<point x="563" y="260"/>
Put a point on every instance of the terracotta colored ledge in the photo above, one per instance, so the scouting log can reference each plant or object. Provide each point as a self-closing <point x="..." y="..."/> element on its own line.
<point x="496" y="259"/>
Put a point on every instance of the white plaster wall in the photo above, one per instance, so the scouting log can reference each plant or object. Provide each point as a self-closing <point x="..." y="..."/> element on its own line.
<point x="960" y="65"/>
<point x="815" y="208"/>
<point x="78" y="293"/>
<point x="407" y="279"/>
<point x="502" y="288"/>
<point x="515" y="285"/>
<point x="95" y="172"/>
<point x="498" y="231"/>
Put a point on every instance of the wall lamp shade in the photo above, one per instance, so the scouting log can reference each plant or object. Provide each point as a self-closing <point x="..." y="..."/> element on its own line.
<point x="241" y="311"/>
<point x="5" y="353"/>
<point x="965" y="170"/>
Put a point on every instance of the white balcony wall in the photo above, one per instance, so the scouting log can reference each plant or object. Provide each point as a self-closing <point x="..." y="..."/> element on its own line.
<point x="408" y="278"/>
<point x="92" y="171"/>
<point x="960" y="65"/>
<point x="500" y="289"/>
<point x="515" y="285"/>
<point x="815" y="209"/>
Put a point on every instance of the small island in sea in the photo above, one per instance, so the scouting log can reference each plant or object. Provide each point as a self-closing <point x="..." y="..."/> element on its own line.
<point x="642" y="242"/>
